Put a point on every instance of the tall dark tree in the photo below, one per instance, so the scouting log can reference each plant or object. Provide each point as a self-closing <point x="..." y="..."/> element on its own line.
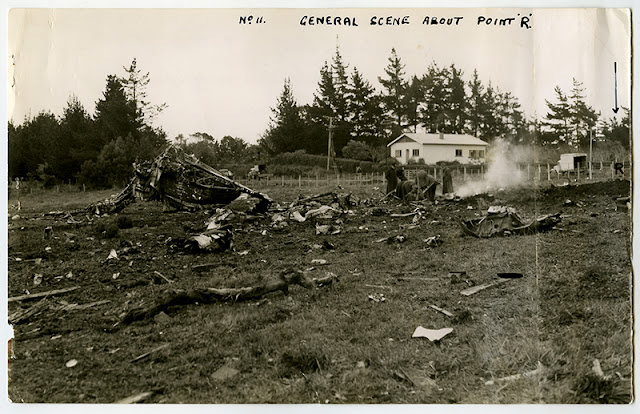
<point x="115" y="113"/>
<point x="583" y="117"/>
<point x="558" y="118"/>
<point x="365" y="109"/>
<point x="476" y="106"/>
<point x="286" y="124"/>
<point x="435" y="111"/>
<point x="414" y="94"/>
<point x="340" y="102"/>
<point x="457" y="100"/>
<point x="395" y="87"/>
<point x="490" y="125"/>
<point x="77" y="143"/>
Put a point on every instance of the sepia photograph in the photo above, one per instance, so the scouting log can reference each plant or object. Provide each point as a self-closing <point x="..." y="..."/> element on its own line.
<point x="337" y="206"/>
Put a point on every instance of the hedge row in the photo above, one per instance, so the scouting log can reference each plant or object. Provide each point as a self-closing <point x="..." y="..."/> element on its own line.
<point x="307" y="161"/>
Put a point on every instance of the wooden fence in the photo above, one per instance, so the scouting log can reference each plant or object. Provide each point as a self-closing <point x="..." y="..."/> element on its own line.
<point x="528" y="172"/>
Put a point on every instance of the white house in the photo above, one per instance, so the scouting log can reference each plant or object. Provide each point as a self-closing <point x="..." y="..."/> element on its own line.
<point x="438" y="147"/>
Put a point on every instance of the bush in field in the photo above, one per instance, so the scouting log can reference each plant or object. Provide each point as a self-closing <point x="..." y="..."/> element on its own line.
<point x="114" y="166"/>
<point x="358" y="151"/>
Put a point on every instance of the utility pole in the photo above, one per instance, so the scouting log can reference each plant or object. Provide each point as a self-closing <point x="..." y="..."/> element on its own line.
<point x="590" y="153"/>
<point x="330" y="144"/>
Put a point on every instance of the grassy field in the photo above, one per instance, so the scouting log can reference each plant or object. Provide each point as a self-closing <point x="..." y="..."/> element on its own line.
<point x="331" y="344"/>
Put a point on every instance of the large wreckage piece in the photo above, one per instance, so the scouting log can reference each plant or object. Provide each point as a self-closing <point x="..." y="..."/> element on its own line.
<point x="180" y="181"/>
<point x="502" y="221"/>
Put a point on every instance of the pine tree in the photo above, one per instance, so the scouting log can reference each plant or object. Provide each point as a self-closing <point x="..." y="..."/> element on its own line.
<point x="395" y="89"/>
<point x="583" y="117"/>
<point x="115" y="114"/>
<point x="286" y="124"/>
<point x="457" y="101"/>
<point x="77" y="143"/>
<point x="341" y="87"/>
<point x="435" y="114"/>
<point x="413" y="99"/>
<point x="558" y="117"/>
<point x="476" y="105"/>
<point x="365" y="110"/>
<point x="135" y="85"/>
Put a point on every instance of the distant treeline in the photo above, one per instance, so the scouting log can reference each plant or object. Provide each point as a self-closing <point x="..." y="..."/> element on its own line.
<point x="99" y="149"/>
<point x="363" y="120"/>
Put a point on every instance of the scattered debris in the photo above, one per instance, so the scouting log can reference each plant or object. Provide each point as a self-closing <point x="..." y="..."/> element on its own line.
<point x="413" y="213"/>
<point x="134" y="399"/>
<point x="528" y="374"/>
<point x="323" y="229"/>
<point x="416" y="377"/>
<point x="319" y="261"/>
<point x="71" y="363"/>
<point x="502" y="221"/>
<point x="476" y="289"/>
<point x="155" y="272"/>
<point x="42" y="294"/>
<point x="623" y="204"/>
<point x="434" y="241"/>
<point x="24" y="314"/>
<point x="377" y="297"/>
<point x="48" y="232"/>
<point x="146" y="354"/>
<point x="431" y="334"/>
<point x="446" y="312"/>
<point x="510" y="275"/>
<point x="37" y="279"/>
<point x="162" y="318"/>
<point x="392" y="239"/>
<point x="224" y="373"/>
<point x="597" y="370"/>
<point x="112" y="255"/>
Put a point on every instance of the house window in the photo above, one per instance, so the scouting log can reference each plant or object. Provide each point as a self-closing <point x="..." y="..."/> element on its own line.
<point x="416" y="152"/>
<point x="472" y="154"/>
<point x="398" y="153"/>
<point x="458" y="153"/>
<point x="481" y="154"/>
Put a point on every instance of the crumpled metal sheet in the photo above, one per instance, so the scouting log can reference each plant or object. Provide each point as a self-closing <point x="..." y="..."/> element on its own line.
<point x="503" y="221"/>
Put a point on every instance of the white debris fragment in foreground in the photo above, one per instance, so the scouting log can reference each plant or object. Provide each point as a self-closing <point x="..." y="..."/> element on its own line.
<point x="431" y="334"/>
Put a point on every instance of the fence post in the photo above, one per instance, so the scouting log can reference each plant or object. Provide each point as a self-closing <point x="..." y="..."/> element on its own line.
<point x="539" y="172"/>
<point x="578" y="172"/>
<point x="482" y="171"/>
<point x="464" y="173"/>
<point x="612" y="172"/>
<point x="84" y="190"/>
<point x="600" y="165"/>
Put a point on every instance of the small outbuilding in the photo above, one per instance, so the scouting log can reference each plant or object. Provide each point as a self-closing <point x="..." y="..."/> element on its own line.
<point x="438" y="147"/>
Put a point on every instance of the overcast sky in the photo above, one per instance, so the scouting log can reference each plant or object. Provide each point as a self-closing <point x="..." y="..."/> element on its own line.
<point x="222" y="77"/>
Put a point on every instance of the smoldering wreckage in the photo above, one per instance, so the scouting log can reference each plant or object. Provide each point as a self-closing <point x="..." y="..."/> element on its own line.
<point x="181" y="182"/>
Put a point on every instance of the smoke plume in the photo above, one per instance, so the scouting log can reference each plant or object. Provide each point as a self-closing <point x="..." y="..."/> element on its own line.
<point x="502" y="171"/>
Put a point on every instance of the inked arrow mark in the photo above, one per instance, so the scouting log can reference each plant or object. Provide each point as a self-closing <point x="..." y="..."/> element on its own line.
<point x="615" y="77"/>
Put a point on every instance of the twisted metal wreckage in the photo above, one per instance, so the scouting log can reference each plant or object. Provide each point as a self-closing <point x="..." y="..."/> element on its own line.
<point x="180" y="181"/>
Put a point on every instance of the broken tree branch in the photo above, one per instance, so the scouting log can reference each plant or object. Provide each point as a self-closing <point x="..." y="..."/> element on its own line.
<point x="212" y="295"/>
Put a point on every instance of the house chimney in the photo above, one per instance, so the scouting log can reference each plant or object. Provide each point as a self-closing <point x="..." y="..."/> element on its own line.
<point x="442" y="135"/>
